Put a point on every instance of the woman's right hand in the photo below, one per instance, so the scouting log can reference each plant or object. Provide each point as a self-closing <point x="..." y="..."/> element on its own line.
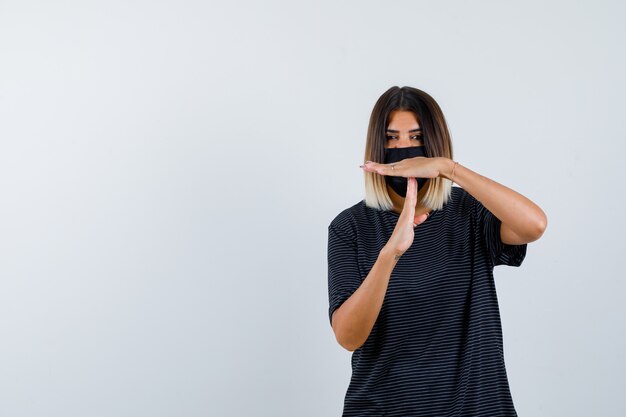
<point x="402" y="237"/>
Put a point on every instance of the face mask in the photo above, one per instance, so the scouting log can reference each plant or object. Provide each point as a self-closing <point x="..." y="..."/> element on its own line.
<point x="399" y="184"/>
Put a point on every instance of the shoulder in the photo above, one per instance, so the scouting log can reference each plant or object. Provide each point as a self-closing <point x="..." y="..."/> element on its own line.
<point x="351" y="219"/>
<point x="461" y="200"/>
<point x="349" y="215"/>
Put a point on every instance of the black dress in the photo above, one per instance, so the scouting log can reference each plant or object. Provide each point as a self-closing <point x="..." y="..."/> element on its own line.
<point x="436" y="347"/>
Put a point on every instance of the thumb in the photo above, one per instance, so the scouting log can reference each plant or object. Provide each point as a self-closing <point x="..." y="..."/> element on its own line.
<point x="417" y="220"/>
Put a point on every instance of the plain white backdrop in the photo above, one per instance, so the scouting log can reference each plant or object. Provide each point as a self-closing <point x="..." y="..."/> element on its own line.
<point x="168" y="170"/>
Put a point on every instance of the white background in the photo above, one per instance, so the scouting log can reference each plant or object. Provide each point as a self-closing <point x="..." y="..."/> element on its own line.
<point x="168" y="170"/>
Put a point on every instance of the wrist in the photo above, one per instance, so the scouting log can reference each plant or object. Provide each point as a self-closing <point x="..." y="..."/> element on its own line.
<point x="387" y="253"/>
<point x="446" y="167"/>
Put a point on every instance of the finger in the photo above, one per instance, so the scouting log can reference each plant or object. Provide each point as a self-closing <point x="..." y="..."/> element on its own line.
<point x="411" y="191"/>
<point x="409" y="201"/>
<point x="396" y="169"/>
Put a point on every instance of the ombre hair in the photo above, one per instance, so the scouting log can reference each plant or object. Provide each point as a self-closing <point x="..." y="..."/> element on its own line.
<point x="437" y="142"/>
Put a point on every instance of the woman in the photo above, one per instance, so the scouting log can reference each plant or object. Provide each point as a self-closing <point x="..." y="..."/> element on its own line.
<point x="410" y="271"/>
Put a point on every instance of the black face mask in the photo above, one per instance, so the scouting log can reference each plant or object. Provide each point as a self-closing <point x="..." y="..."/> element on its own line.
<point x="399" y="184"/>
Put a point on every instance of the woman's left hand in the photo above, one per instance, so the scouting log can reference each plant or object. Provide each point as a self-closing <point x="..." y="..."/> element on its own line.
<point x="418" y="167"/>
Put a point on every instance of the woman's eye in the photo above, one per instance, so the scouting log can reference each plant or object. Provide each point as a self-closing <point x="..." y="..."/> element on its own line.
<point x="415" y="137"/>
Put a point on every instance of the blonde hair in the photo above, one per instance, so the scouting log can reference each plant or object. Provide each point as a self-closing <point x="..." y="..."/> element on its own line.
<point x="437" y="142"/>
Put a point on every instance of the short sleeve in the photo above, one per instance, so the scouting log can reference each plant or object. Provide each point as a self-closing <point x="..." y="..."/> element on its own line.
<point x="499" y="252"/>
<point x="343" y="271"/>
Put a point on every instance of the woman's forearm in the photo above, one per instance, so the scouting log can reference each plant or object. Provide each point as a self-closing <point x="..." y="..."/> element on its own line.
<point x="524" y="219"/>
<point x="353" y="321"/>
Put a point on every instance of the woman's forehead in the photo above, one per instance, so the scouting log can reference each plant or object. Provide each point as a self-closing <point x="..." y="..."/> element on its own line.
<point x="402" y="120"/>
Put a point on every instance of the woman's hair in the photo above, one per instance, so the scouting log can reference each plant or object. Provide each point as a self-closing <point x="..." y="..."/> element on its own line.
<point x="437" y="142"/>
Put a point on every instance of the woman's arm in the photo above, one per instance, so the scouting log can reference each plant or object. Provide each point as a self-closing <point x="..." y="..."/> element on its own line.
<point x="522" y="220"/>
<point x="354" y="320"/>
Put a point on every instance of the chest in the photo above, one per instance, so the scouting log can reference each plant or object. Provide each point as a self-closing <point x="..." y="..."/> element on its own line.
<point x="435" y="273"/>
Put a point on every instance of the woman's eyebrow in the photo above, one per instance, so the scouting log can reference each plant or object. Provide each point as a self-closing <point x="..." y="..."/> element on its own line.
<point x="410" y="131"/>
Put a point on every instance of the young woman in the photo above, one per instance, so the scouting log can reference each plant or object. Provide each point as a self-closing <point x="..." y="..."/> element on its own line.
<point x="410" y="271"/>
